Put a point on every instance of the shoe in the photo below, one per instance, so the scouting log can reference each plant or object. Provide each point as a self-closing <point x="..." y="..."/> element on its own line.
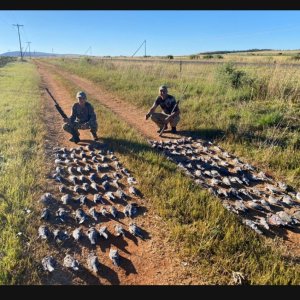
<point x="174" y="130"/>
<point x="75" y="139"/>
<point x="95" y="137"/>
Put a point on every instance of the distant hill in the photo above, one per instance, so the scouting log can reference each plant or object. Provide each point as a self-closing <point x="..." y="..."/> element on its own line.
<point x="35" y="54"/>
<point x="234" y="51"/>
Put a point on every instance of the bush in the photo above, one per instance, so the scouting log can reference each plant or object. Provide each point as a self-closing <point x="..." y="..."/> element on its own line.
<point x="209" y="56"/>
<point x="236" y="78"/>
<point x="170" y="56"/>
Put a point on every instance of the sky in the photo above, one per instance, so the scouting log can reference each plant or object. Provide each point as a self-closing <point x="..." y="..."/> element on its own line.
<point x="155" y="32"/>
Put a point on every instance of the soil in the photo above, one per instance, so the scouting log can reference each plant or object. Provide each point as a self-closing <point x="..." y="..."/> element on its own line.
<point x="153" y="261"/>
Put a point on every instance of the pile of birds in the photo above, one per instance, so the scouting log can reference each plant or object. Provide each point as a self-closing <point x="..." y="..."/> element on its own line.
<point x="97" y="204"/>
<point x="263" y="204"/>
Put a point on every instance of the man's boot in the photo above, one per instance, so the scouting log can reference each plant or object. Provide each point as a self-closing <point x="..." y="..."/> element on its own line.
<point x="75" y="137"/>
<point x="95" y="136"/>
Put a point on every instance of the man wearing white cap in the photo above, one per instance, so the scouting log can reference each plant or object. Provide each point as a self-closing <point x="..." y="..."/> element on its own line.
<point x="168" y="116"/>
<point x="82" y="117"/>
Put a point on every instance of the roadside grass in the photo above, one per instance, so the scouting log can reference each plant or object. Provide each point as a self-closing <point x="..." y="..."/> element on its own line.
<point x="211" y="240"/>
<point x="21" y="171"/>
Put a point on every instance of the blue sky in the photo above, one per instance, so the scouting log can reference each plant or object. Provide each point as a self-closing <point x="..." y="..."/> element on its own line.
<point x="166" y="32"/>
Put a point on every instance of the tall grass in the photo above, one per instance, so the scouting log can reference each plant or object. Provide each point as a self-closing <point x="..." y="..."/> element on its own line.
<point x="210" y="239"/>
<point x="21" y="171"/>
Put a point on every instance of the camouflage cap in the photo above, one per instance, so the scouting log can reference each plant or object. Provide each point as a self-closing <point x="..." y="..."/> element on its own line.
<point x="81" y="94"/>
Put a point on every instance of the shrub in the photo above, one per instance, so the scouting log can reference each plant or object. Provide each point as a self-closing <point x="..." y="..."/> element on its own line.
<point x="170" y="56"/>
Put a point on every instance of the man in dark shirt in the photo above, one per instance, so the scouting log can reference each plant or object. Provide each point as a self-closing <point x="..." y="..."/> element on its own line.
<point x="82" y="117"/>
<point x="167" y="103"/>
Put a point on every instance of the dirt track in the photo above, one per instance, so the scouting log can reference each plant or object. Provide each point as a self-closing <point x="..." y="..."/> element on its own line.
<point x="149" y="262"/>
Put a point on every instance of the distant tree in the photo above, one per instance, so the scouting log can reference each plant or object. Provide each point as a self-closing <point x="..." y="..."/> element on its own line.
<point x="170" y="56"/>
<point x="193" y="56"/>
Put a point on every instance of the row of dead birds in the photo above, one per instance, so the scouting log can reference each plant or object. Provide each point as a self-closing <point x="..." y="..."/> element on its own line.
<point x="88" y="167"/>
<point x="49" y="263"/>
<point x="91" y="233"/>
<point x="63" y="215"/>
<point x="234" y="182"/>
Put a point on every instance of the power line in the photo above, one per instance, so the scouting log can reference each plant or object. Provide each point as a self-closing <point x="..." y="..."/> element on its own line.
<point x="144" y="42"/>
<point x="18" y="25"/>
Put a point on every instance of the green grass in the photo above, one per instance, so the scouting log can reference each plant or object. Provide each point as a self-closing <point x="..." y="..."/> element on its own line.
<point x="213" y="240"/>
<point x="21" y="170"/>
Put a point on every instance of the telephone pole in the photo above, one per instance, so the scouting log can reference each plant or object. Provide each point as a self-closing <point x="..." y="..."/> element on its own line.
<point x="29" y="49"/>
<point x="18" y="25"/>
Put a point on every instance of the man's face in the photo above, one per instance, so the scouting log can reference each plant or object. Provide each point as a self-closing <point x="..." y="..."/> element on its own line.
<point x="163" y="93"/>
<point x="81" y="101"/>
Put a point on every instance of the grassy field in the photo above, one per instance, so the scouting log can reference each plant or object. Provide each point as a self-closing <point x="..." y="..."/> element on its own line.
<point x="21" y="171"/>
<point x="241" y="115"/>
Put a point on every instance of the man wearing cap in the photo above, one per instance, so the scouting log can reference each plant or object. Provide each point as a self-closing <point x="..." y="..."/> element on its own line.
<point x="167" y="103"/>
<point x="82" y="117"/>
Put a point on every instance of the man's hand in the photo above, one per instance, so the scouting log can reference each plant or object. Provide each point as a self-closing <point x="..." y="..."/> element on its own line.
<point x="85" y="126"/>
<point x="66" y="120"/>
<point x="147" y="116"/>
<point x="167" y="120"/>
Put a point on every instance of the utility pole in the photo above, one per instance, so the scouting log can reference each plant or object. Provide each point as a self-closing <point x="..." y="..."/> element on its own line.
<point x="29" y="49"/>
<point x="18" y="25"/>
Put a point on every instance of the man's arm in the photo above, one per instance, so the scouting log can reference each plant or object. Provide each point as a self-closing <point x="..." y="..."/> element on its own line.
<point x="151" y="111"/>
<point x="92" y="114"/>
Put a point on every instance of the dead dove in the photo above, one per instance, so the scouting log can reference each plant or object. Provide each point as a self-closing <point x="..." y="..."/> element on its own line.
<point x="135" y="230"/>
<point x="44" y="232"/>
<point x="130" y="210"/>
<point x="113" y="211"/>
<point x="45" y="215"/>
<point x="71" y="262"/>
<point x="98" y="199"/>
<point x="114" y="256"/>
<point x="66" y="199"/>
<point x="48" y="263"/>
<point x="119" y="230"/>
<point x="93" y="263"/>
<point x="132" y="190"/>
<point x="102" y="232"/>
<point x="92" y="234"/>
<point x="46" y="198"/>
<point x="80" y="216"/>
<point x="77" y="234"/>
<point x="94" y="213"/>
<point x="61" y="214"/>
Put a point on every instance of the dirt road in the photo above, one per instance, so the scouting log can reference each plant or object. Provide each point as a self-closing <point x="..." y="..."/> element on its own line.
<point x="149" y="262"/>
